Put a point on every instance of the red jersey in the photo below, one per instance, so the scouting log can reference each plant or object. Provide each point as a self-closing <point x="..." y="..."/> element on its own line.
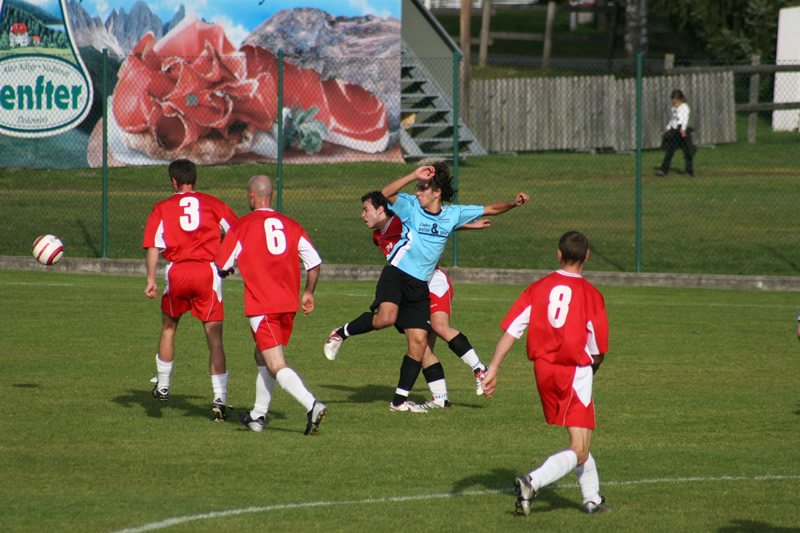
<point x="567" y="319"/>
<point x="386" y="238"/>
<point x="266" y="244"/>
<point x="186" y="226"/>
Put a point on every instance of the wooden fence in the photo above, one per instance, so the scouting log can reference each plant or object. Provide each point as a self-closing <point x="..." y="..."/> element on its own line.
<point x="596" y="112"/>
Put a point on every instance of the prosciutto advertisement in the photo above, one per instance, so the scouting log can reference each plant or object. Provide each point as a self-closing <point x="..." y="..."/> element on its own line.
<point x="210" y="84"/>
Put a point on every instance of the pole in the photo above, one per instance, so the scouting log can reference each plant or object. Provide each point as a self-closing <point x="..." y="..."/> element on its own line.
<point x="639" y="162"/>
<point x="279" y="204"/>
<point x="105" y="153"/>
<point x="456" y="90"/>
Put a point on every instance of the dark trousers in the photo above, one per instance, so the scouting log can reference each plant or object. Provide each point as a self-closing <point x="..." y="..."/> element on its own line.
<point x="672" y="141"/>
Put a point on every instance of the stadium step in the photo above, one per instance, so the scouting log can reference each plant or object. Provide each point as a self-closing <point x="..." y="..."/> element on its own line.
<point x="427" y="116"/>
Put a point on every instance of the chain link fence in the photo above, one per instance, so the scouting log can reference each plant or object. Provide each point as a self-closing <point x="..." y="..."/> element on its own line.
<point x="567" y="136"/>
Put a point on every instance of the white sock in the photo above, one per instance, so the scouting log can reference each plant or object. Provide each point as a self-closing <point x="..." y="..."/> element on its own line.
<point x="291" y="383"/>
<point x="554" y="468"/>
<point x="265" y="384"/>
<point x="472" y="360"/>
<point x="219" y="382"/>
<point x="589" y="480"/>
<point x="439" y="390"/>
<point x="164" y="371"/>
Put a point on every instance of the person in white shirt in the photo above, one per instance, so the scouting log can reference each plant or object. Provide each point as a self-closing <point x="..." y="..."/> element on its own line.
<point x="677" y="135"/>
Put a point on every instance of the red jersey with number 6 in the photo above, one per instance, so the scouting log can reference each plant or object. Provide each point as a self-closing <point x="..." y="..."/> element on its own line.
<point x="566" y="320"/>
<point x="266" y="245"/>
<point x="187" y="226"/>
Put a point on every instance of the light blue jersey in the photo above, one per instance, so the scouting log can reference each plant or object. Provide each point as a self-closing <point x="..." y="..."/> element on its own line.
<point x="425" y="234"/>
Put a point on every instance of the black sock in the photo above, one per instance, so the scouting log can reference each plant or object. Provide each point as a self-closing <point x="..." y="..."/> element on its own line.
<point x="362" y="324"/>
<point x="409" y="371"/>
<point x="459" y="345"/>
<point x="433" y="372"/>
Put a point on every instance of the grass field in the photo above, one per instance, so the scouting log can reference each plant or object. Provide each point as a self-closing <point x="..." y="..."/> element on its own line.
<point x="697" y="410"/>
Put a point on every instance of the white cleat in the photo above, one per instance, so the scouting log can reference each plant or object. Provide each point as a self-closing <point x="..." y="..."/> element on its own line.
<point x="408" y="406"/>
<point x="332" y="345"/>
<point x="479" y="377"/>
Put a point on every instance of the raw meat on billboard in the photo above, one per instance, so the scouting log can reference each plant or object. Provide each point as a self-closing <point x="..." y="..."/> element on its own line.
<point x="193" y="94"/>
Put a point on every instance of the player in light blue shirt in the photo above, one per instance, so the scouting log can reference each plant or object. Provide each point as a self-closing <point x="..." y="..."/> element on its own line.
<point x="425" y="233"/>
<point x="401" y="297"/>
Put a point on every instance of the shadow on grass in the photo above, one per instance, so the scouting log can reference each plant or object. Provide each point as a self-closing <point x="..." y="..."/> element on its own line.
<point x="502" y="479"/>
<point x="747" y="526"/>
<point x="364" y="394"/>
<point x="597" y="253"/>
<point x="154" y="408"/>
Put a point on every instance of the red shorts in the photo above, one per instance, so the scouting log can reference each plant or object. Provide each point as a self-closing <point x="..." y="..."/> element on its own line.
<point x="271" y="330"/>
<point x="566" y="393"/>
<point x="441" y="290"/>
<point x="193" y="286"/>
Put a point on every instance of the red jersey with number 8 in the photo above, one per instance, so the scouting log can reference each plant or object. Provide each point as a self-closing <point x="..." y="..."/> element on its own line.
<point x="566" y="320"/>
<point x="266" y="245"/>
<point x="187" y="226"/>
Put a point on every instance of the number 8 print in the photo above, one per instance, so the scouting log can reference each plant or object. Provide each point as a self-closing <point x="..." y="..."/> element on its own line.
<point x="276" y="239"/>
<point x="558" y="309"/>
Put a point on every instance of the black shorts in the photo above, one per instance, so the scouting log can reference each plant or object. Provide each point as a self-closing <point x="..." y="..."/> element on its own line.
<point x="411" y="296"/>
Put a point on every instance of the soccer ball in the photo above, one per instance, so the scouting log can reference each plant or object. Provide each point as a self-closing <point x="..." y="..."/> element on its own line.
<point x="48" y="249"/>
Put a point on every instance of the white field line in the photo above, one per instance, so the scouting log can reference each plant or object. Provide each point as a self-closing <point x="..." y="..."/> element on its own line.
<point x="152" y="526"/>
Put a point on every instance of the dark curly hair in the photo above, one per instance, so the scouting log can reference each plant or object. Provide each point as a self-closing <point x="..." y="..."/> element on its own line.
<point x="443" y="181"/>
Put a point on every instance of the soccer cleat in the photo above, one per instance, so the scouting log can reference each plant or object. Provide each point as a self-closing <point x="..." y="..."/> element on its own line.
<point x="479" y="377"/>
<point x="434" y="404"/>
<point x="218" y="409"/>
<point x="525" y="494"/>
<point x="162" y="394"/>
<point x="315" y="416"/>
<point x="333" y="344"/>
<point x="592" y="508"/>
<point x="408" y="406"/>
<point x="256" y="425"/>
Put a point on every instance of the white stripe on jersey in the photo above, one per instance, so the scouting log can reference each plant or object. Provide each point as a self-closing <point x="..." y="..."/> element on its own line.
<point x="159" y="237"/>
<point x="399" y="252"/>
<point x="520" y="324"/>
<point x="591" y="341"/>
<point x="230" y="261"/>
<point x="308" y="254"/>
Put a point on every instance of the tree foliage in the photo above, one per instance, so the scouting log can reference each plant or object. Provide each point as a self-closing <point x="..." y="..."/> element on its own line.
<point x="729" y="29"/>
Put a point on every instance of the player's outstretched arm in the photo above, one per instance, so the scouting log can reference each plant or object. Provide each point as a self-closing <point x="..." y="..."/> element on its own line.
<point x="482" y="223"/>
<point x="422" y="173"/>
<point x="500" y="351"/>
<point x="307" y="300"/>
<point x="498" y="208"/>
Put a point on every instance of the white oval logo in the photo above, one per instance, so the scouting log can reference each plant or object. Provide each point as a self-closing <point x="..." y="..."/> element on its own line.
<point x="41" y="96"/>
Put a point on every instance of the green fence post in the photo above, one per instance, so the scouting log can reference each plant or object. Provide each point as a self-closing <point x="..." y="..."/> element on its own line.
<point x="456" y="112"/>
<point x="639" y="162"/>
<point x="279" y="204"/>
<point x="105" y="153"/>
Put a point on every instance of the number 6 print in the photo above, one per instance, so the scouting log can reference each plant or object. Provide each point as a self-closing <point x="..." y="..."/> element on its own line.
<point x="276" y="239"/>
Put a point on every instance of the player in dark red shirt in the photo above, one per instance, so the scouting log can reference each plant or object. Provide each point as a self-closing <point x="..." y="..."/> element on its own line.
<point x="186" y="229"/>
<point x="266" y="245"/>
<point x="567" y="340"/>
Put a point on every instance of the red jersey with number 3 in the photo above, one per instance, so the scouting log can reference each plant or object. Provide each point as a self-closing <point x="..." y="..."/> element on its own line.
<point x="386" y="238"/>
<point x="186" y="226"/>
<point x="266" y="245"/>
<point x="565" y="317"/>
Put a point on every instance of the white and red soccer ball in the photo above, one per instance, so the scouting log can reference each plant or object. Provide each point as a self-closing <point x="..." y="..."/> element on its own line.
<point x="48" y="249"/>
